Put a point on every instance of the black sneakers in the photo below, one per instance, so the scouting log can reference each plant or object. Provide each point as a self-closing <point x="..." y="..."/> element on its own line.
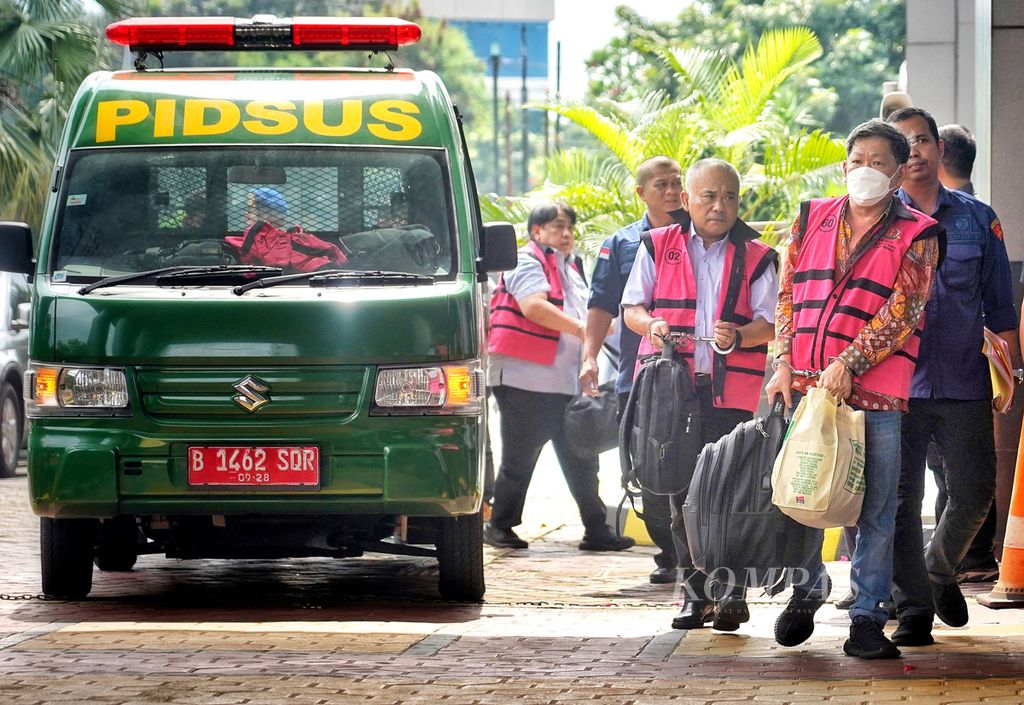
<point x="914" y="631"/>
<point x="950" y="605"/>
<point x="868" y="641"/>
<point x="502" y="538"/>
<point x="796" y="623"/>
<point x="604" y="539"/>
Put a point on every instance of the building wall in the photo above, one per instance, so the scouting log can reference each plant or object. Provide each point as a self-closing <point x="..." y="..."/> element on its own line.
<point x="535" y="10"/>
<point x="931" y="56"/>
<point x="1006" y="117"/>
<point x="946" y="76"/>
<point x="497" y="25"/>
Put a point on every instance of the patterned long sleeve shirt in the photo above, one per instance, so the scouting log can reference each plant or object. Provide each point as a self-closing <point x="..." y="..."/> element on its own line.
<point x="890" y="328"/>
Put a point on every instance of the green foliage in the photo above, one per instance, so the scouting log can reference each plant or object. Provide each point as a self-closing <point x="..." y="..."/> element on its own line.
<point x="720" y="108"/>
<point x="46" y="48"/>
<point x="862" y="41"/>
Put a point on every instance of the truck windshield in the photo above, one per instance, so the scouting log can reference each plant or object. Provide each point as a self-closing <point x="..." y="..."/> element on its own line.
<point x="296" y="208"/>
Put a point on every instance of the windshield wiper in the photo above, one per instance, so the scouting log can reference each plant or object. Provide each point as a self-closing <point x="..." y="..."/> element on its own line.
<point x="180" y="270"/>
<point x="217" y="272"/>
<point x="337" y="277"/>
<point x="367" y="277"/>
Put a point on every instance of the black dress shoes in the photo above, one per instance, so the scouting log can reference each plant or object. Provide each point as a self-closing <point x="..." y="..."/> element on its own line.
<point x="604" y="539"/>
<point x="694" y="615"/>
<point x="663" y="576"/>
<point x="846" y="601"/>
<point x="730" y="613"/>
<point x="502" y="538"/>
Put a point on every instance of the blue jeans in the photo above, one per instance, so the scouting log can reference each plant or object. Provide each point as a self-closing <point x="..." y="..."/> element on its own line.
<point x="871" y="571"/>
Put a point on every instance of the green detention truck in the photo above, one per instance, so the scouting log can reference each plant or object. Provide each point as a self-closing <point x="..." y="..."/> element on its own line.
<point x="204" y="385"/>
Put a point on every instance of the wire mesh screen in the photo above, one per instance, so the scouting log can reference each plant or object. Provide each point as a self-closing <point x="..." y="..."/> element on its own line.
<point x="309" y="196"/>
<point x="179" y="199"/>
<point x="125" y="209"/>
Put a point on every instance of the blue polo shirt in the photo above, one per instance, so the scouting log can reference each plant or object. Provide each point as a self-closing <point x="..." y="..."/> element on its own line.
<point x="614" y="262"/>
<point x="973" y="290"/>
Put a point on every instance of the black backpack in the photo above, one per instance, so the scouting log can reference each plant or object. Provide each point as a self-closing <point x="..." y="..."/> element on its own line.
<point x="660" y="432"/>
<point x="731" y="523"/>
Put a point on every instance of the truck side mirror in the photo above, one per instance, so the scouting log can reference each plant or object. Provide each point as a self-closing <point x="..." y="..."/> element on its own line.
<point x="15" y="248"/>
<point x="497" y="248"/>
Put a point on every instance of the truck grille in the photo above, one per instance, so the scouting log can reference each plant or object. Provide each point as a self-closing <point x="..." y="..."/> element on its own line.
<point x="274" y="393"/>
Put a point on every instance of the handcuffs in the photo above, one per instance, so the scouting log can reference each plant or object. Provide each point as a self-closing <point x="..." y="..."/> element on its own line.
<point x="779" y="362"/>
<point x="674" y="338"/>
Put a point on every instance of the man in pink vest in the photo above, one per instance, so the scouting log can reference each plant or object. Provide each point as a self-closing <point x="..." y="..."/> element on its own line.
<point x="706" y="275"/>
<point x="535" y="347"/>
<point x="857" y="275"/>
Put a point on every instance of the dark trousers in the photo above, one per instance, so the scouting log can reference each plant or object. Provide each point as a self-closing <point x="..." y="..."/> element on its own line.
<point x="657" y="516"/>
<point x="715" y="423"/>
<point x="981" y="553"/>
<point x="528" y="421"/>
<point x="963" y="432"/>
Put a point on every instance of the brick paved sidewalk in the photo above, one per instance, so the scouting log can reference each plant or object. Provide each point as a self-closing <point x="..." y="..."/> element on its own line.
<point x="558" y="626"/>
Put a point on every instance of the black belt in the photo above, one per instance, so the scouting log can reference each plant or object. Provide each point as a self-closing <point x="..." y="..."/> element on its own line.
<point x="701" y="379"/>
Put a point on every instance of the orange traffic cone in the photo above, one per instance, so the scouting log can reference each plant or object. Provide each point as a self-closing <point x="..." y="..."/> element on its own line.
<point x="1009" y="591"/>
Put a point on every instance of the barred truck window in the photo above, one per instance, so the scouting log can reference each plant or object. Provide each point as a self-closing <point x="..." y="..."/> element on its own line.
<point x="136" y="209"/>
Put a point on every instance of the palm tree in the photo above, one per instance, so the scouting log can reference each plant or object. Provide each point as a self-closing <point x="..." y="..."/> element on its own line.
<point x="46" y="49"/>
<point x="733" y="110"/>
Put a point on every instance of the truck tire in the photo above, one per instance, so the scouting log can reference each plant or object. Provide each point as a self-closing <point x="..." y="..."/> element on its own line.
<point x="460" y="558"/>
<point x="117" y="544"/>
<point x="66" y="552"/>
<point x="12" y="429"/>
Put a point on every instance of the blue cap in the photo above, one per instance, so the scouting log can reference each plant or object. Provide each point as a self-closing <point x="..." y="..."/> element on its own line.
<point x="266" y="197"/>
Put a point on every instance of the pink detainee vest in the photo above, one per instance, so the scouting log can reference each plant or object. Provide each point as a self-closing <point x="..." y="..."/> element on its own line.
<point x="737" y="378"/>
<point x="828" y="316"/>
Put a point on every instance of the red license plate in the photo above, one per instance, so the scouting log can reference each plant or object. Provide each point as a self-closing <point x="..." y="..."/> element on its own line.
<point x="254" y="466"/>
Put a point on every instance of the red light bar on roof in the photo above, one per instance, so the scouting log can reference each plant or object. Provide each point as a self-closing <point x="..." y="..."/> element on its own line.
<point x="262" y="32"/>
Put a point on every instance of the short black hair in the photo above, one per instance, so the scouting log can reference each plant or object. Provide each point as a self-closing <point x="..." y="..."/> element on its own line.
<point x="645" y="172"/>
<point x="876" y="127"/>
<point x="546" y="212"/>
<point x="958" y="157"/>
<point x="907" y="113"/>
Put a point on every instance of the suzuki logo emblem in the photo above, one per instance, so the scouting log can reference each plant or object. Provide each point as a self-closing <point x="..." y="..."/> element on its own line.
<point x="252" y="393"/>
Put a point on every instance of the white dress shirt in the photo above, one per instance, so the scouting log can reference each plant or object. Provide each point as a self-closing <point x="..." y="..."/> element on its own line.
<point x="708" y="264"/>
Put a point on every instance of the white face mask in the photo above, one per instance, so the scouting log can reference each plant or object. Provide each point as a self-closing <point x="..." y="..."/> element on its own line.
<point x="868" y="186"/>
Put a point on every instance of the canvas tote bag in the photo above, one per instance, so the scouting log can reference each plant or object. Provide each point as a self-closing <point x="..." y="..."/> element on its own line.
<point x="818" y="476"/>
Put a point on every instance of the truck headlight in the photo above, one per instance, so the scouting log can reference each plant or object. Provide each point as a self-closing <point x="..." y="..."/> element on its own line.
<point x="440" y="389"/>
<point x="68" y="390"/>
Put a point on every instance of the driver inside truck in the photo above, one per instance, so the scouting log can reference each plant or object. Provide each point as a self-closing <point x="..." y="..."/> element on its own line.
<point x="268" y="240"/>
<point x="266" y="204"/>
